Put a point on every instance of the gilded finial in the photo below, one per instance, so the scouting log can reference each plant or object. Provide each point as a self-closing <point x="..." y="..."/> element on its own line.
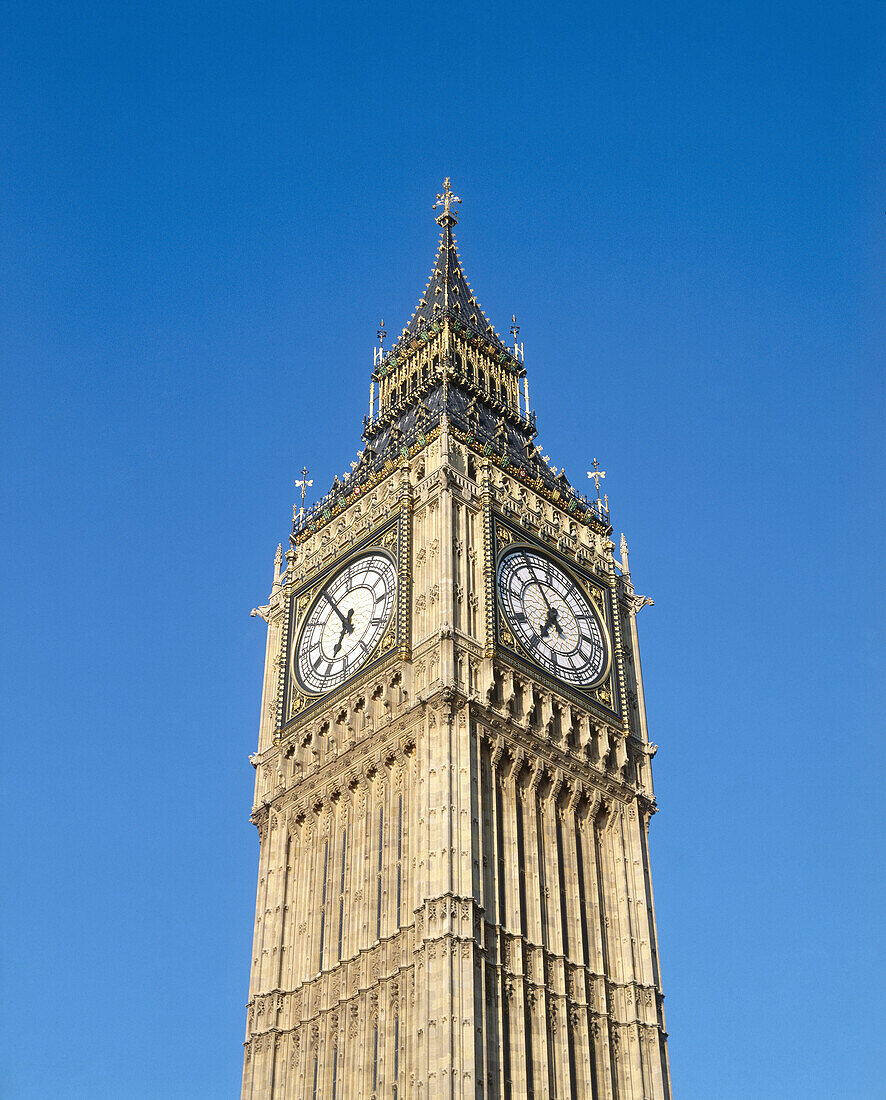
<point x="515" y="332"/>
<point x="445" y="200"/>
<point x="303" y="482"/>
<point x="596" y="474"/>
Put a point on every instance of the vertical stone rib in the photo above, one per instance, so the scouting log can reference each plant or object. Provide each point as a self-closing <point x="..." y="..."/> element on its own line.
<point x="596" y="941"/>
<point x="534" y="976"/>
<point x="269" y="686"/>
<point x="558" y="1018"/>
<point x="514" y="942"/>
<point x="488" y="601"/>
<point x="404" y="567"/>
<point x="663" y="1068"/>
<point x="577" y="961"/>
<point x="496" y="884"/>
<point x="284" y="891"/>
<point x="483" y="844"/>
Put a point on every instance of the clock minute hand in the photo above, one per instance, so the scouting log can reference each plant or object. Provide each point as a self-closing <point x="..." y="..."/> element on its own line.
<point x="541" y="589"/>
<point x="335" y="608"/>
<point x="551" y="620"/>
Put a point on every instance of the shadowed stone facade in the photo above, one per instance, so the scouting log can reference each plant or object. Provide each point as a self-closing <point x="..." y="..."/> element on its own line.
<point x="454" y="892"/>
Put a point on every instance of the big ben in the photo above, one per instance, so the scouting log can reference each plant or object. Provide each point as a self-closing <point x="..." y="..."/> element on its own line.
<point x="453" y="775"/>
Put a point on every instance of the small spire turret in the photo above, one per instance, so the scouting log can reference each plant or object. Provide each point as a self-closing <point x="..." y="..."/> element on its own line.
<point x="278" y="568"/>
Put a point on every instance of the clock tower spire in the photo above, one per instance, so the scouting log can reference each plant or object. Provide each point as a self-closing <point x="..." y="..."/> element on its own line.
<point x="453" y="785"/>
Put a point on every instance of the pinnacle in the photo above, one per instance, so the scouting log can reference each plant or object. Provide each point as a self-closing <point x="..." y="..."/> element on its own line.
<point x="447" y="281"/>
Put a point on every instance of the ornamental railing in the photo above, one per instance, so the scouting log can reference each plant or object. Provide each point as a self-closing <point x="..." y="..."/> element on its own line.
<point x="533" y="472"/>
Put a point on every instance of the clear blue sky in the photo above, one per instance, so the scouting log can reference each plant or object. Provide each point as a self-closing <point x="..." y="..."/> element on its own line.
<point x="206" y="208"/>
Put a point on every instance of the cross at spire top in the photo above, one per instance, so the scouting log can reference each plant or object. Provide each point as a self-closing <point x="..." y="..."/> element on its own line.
<point x="447" y="289"/>
<point x="445" y="200"/>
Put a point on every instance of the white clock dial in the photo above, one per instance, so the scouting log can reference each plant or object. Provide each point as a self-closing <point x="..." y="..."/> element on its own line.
<point x="345" y="623"/>
<point x="552" y="617"/>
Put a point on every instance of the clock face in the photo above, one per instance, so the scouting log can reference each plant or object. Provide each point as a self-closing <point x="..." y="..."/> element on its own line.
<point x="345" y="623"/>
<point x="552" y="617"/>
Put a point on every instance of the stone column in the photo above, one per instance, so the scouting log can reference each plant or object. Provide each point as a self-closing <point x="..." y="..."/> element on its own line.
<point x="513" y="924"/>
<point x="595" y="915"/>
<point x="576" y="959"/>
<point x="555" y="977"/>
<point x="491" y="859"/>
<point x="270" y="685"/>
<point x="534" y="976"/>
<point x="446" y="567"/>
<point x="651" y="1013"/>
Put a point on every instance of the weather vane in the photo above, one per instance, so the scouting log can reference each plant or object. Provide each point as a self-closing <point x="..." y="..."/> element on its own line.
<point x="303" y="482"/>
<point x="445" y="200"/>
<point x="597" y="474"/>
<point x="382" y="332"/>
<point x="515" y="332"/>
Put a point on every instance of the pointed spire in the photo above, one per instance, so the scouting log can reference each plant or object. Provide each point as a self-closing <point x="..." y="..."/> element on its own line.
<point x="278" y="567"/>
<point x="447" y="288"/>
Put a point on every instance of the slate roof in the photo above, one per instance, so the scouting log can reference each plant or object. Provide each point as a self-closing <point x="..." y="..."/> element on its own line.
<point x="489" y="427"/>
<point x="449" y="289"/>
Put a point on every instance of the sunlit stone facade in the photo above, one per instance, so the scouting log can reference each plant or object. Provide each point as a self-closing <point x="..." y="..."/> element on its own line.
<point x="454" y="892"/>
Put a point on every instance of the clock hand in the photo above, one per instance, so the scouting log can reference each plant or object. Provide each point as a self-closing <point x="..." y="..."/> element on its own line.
<point x="551" y="621"/>
<point x="348" y="628"/>
<point x="335" y="608"/>
<point x="541" y="588"/>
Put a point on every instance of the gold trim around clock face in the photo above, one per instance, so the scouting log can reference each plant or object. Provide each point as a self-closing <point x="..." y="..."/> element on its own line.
<point x="346" y="623"/>
<point x="557" y="622"/>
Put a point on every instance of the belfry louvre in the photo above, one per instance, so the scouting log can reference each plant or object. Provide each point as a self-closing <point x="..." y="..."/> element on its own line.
<point x="453" y="784"/>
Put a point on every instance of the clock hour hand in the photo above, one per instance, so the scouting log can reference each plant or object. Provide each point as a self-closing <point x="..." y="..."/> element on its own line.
<point x="551" y="621"/>
<point x="347" y="628"/>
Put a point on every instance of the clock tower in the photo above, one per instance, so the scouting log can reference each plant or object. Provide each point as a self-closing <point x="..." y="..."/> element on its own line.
<point x="453" y="786"/>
